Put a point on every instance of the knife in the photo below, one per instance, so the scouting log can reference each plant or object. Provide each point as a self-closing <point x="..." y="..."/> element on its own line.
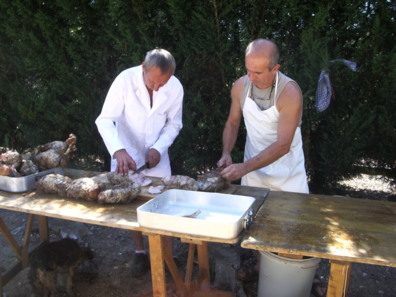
<point x="141" y="168"/>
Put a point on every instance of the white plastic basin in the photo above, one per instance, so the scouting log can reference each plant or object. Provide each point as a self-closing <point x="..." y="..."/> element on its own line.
<point x="196" y="213"/>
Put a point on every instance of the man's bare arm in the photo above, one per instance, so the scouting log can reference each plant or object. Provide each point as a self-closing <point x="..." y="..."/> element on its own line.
<point x="231" y="128"/>
<point x="289" y="106"/>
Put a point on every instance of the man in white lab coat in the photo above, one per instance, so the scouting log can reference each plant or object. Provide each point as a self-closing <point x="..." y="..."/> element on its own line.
<point x="140" y="119"/>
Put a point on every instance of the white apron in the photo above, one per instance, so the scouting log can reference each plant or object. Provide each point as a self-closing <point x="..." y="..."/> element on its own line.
<point x="288" y="172"/>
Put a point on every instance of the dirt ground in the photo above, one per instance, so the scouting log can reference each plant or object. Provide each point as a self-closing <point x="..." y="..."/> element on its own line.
<point x="108" y="273"/>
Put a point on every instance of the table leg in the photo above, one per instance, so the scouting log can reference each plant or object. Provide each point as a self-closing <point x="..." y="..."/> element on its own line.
<point x="43" y="227"/>
<point x="26" y="240"/>
<point x="157" y="265"/>
<point x="174" y="271"/>
<point x="203" y="260"/>
<point x="190" y="264"/>
<point x="340" y="272"/>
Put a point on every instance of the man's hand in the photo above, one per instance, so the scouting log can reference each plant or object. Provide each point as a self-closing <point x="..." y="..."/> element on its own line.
<point x="224" y="161"/>
<point x="234" y="171"/>
<point x="124" y="162"/>
<point x="153" y="157"/>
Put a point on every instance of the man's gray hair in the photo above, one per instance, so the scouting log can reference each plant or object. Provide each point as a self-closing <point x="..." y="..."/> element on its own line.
<point x="160" y="58"/>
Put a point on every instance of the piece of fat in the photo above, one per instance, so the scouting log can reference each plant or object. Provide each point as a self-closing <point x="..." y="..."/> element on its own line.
<point x="156" y="189"/>
<point x="140" y="178"/>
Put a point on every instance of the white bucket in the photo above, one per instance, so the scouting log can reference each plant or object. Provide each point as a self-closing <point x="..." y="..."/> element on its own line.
<point x="286" y="277"/>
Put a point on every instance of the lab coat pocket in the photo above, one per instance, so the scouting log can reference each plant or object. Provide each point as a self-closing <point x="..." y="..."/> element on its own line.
<point x="160" y="119"/>
<point x="157" y="123"/>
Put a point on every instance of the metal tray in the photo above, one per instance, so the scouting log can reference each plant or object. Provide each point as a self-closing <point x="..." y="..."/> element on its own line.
<point x="206" y="214"/>
<point x="24" y="183"/>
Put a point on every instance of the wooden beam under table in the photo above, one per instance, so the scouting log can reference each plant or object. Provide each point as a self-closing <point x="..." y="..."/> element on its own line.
<point x="43" y="227"/>
<point x="157" y="264"/>
<point x="174" y="272"/>
<point x="10" y="239"/>
<point x="340" y="272"/>
<point x="159" y="255"/>
<point x="203" y="260"/>
<point x="190" y="264"/>
<point x="22" y="252"/>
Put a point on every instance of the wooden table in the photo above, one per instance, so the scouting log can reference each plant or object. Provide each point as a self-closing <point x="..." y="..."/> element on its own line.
<point x="44" y="206"/>
<point x="116" y="216"/>
<point x="344" y="230"/>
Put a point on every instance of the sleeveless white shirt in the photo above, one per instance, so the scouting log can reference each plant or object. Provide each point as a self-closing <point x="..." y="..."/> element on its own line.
<point x="288" y="172"/>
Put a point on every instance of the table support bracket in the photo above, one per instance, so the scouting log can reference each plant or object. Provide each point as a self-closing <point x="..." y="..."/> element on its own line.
<point x="159" y="251"/>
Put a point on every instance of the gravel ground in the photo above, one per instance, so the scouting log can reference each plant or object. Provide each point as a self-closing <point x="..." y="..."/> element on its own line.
<point x="108" y="273"/>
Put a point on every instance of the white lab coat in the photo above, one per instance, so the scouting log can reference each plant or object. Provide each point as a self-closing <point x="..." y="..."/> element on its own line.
<point x="128" y="122"/>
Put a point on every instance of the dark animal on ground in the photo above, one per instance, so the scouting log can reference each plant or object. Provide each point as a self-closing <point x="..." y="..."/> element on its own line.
<point x="52" y="259"/>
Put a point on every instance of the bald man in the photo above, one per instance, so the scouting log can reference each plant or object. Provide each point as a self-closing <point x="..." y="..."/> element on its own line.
<point x="271" y="105"/>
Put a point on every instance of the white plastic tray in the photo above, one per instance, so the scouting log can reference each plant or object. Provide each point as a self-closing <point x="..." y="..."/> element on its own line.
<point x="216" y="215"/>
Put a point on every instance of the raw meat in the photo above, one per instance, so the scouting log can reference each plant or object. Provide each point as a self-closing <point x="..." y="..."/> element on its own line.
<point x="55" y="153"/>
<point x="57" y="146"/>
<point x="48" y="159"/>
<point x="8" y="170"/>
<point x="28" y="167"/>
<point x="40" y="158"/>
<point x="212" y="181"/>
<point x="53" y="184"/>
<point x="115" y="178"/>
<point x="84" y="188"/>
<point x="138" y="178"/>
<point x="212" y="184"/>
<point x="11" y="158"/>
<point x="180" y="182"/>
<point x="122" y="193"/>
<point x="109" y="188"/>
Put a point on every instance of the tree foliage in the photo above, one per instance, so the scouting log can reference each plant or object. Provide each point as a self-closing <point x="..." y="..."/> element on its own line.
<point x="58" y="59"/>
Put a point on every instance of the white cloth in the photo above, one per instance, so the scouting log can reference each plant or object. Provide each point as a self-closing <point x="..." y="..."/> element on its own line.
<point x="128" y="122"/>
<point x="288" y="172"/>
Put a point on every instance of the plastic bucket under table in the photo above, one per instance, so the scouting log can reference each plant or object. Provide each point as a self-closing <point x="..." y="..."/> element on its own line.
<point x="286" y="277"/>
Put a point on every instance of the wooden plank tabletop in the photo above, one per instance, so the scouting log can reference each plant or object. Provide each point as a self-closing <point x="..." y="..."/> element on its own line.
<point x="111" y="215"/>
<point x="338" y="228"/>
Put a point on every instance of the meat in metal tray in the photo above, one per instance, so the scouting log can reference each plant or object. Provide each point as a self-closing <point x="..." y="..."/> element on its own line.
<point x="214" y="215"/>
<point x="24" y="183"/>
